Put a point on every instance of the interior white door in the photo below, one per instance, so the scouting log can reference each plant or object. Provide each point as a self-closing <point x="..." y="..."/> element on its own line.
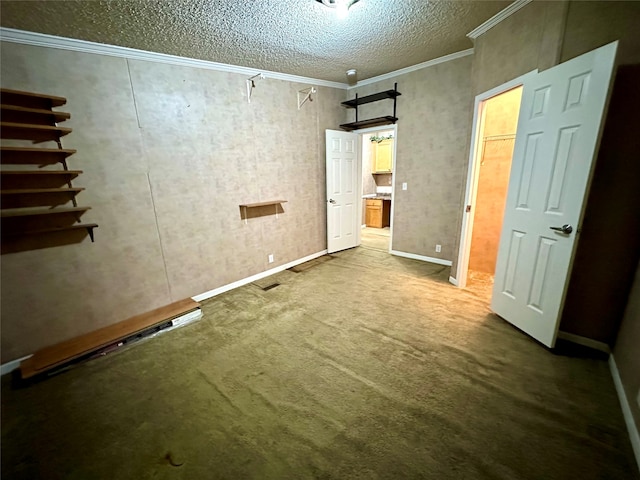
<point x="556" y="140"/>
<point x="342" y="190"/>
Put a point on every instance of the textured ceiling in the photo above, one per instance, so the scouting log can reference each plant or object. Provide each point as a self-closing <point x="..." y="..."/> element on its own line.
<point x="300" y="37"/>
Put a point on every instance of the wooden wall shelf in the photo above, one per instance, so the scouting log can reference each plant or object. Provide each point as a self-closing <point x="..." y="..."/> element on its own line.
<point x="36" y="197"/>
<point x="244" y="208"/>
<point x="16" y="114"/>
<point x="33" y="155"/>
<point x="62" y="353"/>
<point x="263" y="204"/>
<point x="371" y="98"/>
<point x="26" y="193"/>
<point x="30" y="99"/>
<point x="51" y="211"/>
<point x="38" y="133"/>
<point x="372" y="122"/>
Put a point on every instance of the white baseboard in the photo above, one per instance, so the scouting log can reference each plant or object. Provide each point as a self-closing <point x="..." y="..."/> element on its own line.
<point x="12" y="365"/>
<point x="176" y="323"/>
<point x="197" y="314"/>
<point x="256" y="277"/>
<point x="634" y="435"/>
<point x="413" y="256"/>
<point x="364" y="225"/>
<point x="453" y="281"/>
<point x="587" y="342"/>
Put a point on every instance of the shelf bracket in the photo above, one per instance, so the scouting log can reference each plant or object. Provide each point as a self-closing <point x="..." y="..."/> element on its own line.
<point x="306" y="92"/>
<point x="251" y="84"/>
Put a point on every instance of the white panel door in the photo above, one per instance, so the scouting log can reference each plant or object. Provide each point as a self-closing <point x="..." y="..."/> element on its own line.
<point x="343" y="180"/>
<point x="558" y="132"/>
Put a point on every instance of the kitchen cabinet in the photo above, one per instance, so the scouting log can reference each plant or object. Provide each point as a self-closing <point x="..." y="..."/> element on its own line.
<point x="378" y="213"/>
<point x="382" y="156"/>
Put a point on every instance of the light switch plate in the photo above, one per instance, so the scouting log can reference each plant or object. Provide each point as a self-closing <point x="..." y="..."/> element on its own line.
<point x="404" y="185"/>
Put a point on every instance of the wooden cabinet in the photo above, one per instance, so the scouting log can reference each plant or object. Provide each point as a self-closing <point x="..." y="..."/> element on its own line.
<point x="377" y="213"/>
<point x="382" y="156"/>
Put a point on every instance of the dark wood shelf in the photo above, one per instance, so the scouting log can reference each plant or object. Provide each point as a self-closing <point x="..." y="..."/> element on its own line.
<point x="33" y="155"/>
<point x="30" y="99"/>
<point x="70" y="173"/>
<point x="32" y="213"/>
<point x="371" y="122"/>
<point x="371" y="98"/>
<point x="22" y="191"/>
<point x="18" y="114"/>
<point x="25" y="131"/>
<point x="37" y="197"/>
<point x="77" y="226"/>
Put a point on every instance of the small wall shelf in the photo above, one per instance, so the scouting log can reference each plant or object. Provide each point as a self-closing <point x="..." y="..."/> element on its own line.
<point x="33" y="155"/>
<point x="244" y="208"/>
<point x="372" y="122"/>
<point x="36" y="133"/>
<point x="36" y="201"/>
<point x="17" y="114"/>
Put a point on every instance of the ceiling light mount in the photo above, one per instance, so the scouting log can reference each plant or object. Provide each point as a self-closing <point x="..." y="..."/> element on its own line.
<point x="341" y="6"/>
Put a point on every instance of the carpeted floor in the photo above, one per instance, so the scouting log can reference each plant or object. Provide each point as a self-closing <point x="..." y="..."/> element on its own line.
<point x="364" y="366"/>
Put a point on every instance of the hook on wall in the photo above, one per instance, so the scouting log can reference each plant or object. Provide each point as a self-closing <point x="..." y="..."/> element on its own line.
<point x="251" y="84"/>
<point x="306" y="93"/>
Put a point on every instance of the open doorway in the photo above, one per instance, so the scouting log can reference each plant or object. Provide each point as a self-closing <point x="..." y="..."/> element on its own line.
<point x="378" y="150"/>
<point x="497" y="139"/>
<point x="495" y="125"/>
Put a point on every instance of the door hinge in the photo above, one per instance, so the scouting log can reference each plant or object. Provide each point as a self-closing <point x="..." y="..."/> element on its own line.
<point x="468" y="209"/>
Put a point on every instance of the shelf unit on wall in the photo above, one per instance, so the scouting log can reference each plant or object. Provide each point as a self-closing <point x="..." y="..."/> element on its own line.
<point x="35" y="200"/>
<point x="372" y="122"/>
<point x="244" y="208"/>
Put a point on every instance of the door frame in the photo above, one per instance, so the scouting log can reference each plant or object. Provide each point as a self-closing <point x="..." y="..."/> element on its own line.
<point x="361" y="133"/>
<point x="473" y="174"/>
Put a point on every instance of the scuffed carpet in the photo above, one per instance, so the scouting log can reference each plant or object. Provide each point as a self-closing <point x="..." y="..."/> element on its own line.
<point x="367" y="366"/>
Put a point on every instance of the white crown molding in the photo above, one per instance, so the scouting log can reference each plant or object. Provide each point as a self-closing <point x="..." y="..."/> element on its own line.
<point x="413" y="68"/>
<point x="52" y="41"/>
<point x="497" y="18"/>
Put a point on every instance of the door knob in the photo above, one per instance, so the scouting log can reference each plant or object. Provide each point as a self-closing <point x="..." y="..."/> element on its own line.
<point x="566" y="229"/>
<point x="331" y="200"/>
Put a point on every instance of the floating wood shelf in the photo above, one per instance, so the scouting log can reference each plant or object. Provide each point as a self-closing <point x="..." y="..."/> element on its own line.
<point x="25" y="131"/>
<point x="44" y="173"/>
<point x="38" y="231"/>
<point x="263" y="204"/>
<point x="36" y="197"/>
<point x="33" y="213"/>
<point x="371" y="98"/>
<point x="244" y="208"/>
<point x="22" y="191"/>
<point x="62" y="353"/>
<point x="372" y="122"/>
<point x="30" y="99"/>
<point x="33" y="155"/>
<point x="15" y="113"/>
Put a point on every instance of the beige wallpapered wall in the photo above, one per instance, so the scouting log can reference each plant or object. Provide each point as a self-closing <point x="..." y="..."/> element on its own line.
<point x="165" y="177"/>
<point x="432" y="133"/>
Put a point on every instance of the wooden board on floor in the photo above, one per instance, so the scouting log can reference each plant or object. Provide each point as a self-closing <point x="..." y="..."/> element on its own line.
<point x="58" y="354"/>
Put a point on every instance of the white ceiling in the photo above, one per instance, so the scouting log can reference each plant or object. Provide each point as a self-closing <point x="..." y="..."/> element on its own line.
<point x="300" y="37"/>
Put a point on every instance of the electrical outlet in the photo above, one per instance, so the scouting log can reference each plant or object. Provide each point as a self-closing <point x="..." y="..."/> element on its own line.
<point x="404" y="185"/>
<point x="271" y="258"/>
<point x="438" y="248"/>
